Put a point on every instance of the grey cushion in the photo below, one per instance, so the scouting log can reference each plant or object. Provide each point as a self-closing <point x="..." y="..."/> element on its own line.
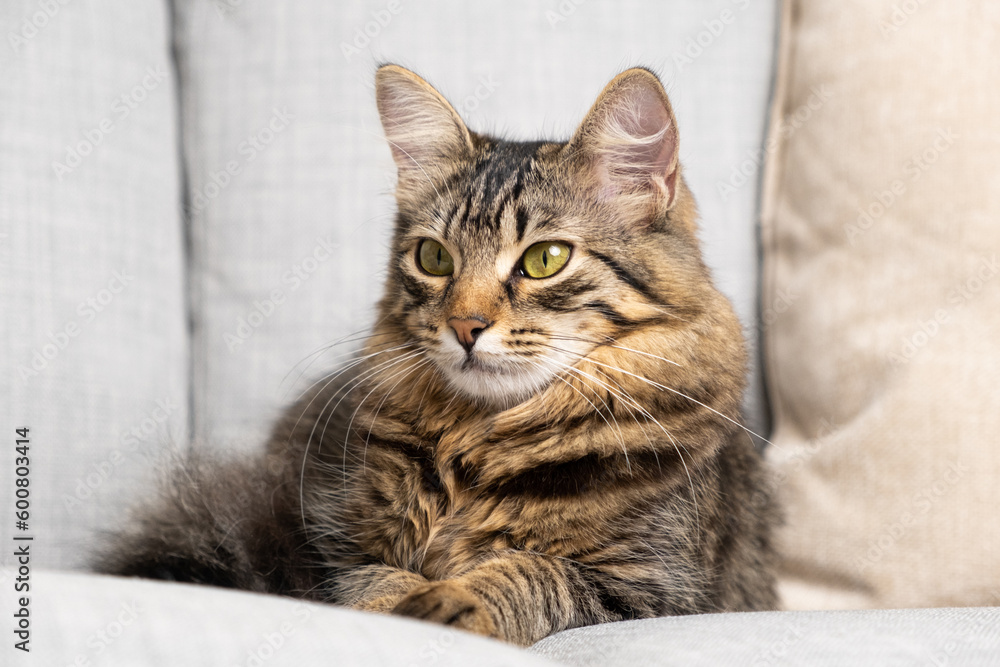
<point x="88" y="619"/>
<point x="113" y="621"/>
<point x="969" y="636"/>
<point x="93" y="335"/>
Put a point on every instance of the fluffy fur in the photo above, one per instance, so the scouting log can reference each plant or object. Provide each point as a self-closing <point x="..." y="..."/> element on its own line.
<point x="582" y="463"/>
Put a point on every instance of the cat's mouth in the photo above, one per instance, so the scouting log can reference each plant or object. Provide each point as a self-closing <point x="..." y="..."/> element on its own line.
<point x="502" y="381"/>
<point x="480" y="365"/>
<point x="473" y="363"/>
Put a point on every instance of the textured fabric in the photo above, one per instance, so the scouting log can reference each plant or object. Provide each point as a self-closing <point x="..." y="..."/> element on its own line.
<point x="91" y="620"/>
<point x="93" y="351"/>
<point x="953" y="637"/>
<point x="881" y="242"/>
<point x="291" y="181"/>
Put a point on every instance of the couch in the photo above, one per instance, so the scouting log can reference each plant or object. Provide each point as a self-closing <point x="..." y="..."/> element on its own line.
<point x="195" y="196"/>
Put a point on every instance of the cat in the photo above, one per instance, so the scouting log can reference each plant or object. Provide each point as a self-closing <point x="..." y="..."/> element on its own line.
<point x="542" y="430"/>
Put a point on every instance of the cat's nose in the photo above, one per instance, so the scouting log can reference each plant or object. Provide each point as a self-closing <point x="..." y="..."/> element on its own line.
<point x="468" y="330"/>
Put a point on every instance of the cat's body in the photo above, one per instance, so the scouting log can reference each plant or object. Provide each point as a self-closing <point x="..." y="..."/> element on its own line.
<point x="542" y="430"/>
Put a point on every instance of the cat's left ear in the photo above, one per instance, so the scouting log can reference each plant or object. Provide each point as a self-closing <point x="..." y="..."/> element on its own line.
<point x="424" y="131"/>
<point x="628" y="140"/>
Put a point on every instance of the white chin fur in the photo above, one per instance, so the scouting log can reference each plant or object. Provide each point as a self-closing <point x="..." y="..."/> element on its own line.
<point x="499" y="379"/>
<point x="500" y="385"/>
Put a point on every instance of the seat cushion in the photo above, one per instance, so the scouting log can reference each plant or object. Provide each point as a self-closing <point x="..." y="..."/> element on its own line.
<point x="955" y="637"/>
<point x="89" y="619"/>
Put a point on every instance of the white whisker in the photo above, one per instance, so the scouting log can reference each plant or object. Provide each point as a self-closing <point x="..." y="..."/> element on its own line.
<point x="312" y="432"/>
<point x="666" y="388"/>
<point x="620" y="435"/>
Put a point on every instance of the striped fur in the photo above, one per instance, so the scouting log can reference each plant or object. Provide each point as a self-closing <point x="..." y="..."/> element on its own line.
<point x="584" y="463"/>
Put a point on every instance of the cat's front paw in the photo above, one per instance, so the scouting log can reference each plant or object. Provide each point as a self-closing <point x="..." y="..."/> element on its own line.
<point x="448" y="603"/>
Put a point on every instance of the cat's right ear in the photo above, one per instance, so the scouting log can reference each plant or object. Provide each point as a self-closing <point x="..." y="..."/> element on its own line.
<point x="424" y="131"/>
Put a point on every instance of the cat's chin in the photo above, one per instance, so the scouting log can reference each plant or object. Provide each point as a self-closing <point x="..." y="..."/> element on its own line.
<point x="496" y="386"/>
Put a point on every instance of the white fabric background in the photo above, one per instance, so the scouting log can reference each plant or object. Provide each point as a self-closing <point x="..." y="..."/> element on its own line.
<point x="536" y="67"/>
<point x="61" y="242"/>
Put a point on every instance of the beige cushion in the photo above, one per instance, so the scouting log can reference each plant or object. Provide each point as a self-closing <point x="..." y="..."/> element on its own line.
<point x="882" y="302"/>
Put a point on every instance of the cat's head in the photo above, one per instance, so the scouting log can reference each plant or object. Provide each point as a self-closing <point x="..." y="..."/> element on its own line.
<point x="511" y="261"/>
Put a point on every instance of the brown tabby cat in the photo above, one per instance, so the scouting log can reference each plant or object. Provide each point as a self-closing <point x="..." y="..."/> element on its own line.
<point x="541" y="432"/>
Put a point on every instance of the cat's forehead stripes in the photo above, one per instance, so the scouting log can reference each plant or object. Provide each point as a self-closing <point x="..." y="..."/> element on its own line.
<point x="494" y="183"/>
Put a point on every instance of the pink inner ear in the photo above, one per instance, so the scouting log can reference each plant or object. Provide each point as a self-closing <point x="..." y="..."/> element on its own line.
<point x="408" y="125"/>
<point x="419" y="125"/>
<point x="637" y="143"/>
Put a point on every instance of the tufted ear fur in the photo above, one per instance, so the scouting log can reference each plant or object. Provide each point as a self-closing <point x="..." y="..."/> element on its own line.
<point x="628" y="140"/>
<point x="424" y="131"/>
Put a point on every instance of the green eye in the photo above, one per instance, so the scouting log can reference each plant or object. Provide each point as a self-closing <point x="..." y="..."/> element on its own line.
<point x="434" y="259"/>
<point x="545" y="259"/>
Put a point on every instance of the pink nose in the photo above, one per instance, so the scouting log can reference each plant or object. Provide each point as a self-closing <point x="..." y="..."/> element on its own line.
<point x="468" y="330"/>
